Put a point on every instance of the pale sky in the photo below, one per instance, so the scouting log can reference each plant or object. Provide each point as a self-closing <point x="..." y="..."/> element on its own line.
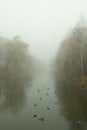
<point x="41" y="23"/>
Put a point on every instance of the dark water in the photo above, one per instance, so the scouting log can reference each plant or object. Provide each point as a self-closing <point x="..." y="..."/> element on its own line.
<point x="41" y="104"/>
<point x="72" y="97"/>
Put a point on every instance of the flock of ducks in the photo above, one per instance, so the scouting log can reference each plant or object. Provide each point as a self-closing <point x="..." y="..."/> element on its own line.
<point x="35" y="105"/>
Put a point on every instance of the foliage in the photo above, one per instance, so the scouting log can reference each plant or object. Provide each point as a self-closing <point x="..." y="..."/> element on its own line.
<point x="71" y="59"/>
<point x="15" y="58"/>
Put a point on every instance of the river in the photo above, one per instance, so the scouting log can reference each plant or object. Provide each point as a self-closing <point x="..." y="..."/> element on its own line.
<point x="36" y="106"/>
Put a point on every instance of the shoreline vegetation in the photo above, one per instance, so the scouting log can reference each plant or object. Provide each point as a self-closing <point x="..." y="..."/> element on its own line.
<point x="70" y="75"/>
<point x="71" y="59"/>
<point x="15" y="58"/>
<point x="16" y="73"/>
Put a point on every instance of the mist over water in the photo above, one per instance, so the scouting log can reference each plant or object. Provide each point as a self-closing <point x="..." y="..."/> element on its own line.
<point x="33" y="97"/>
<point x="43" y="68"/>
<point x="27" y="90"/>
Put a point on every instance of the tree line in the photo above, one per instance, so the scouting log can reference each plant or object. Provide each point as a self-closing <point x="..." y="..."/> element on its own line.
<point x="71" y="59"/>
<point x="15" y="58"/>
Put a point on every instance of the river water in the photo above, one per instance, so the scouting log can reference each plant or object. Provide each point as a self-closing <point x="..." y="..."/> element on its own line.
<point x="36" y="106"/>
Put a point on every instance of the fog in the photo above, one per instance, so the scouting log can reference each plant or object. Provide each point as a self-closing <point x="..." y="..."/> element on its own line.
<point x="43" y="87"/>
<point x="40" y="23"/>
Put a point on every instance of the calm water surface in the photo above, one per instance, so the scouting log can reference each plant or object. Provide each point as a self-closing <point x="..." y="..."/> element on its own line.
<point x="41" y="105"/>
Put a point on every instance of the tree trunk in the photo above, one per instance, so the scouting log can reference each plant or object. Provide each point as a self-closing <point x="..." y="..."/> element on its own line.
<point x="82" y="65"/>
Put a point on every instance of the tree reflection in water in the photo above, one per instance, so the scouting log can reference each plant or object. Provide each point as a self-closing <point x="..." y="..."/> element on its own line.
<point x="15" y="72"/>
<point x="13" y="93"/>
<point x="73" y="101"/>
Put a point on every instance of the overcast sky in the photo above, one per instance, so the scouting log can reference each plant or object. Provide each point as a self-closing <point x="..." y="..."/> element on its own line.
<point x="41" y="23"/>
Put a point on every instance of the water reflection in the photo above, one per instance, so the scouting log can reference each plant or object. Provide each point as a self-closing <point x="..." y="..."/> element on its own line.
<point x="15" y="72"/>
<point x="13" y="93"/>
<point x="73" y="101"/>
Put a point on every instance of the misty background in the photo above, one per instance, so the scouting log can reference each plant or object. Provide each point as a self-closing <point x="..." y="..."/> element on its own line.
<point x="43" y="86"/>
<point x="41" y="23"/>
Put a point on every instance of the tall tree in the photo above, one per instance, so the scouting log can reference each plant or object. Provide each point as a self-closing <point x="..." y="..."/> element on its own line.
<point x="73" y="52"/>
